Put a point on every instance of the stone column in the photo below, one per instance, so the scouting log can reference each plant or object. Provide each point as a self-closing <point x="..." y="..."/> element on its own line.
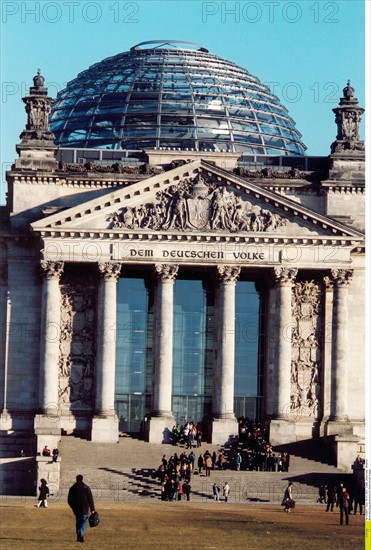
<point x="159" y="426"/>
<point x="105" y="425"/>
<point x="341" y="279"/>
<point x="47" y="424"/>
<point x="50" y="337"/>
<point x="5" y="316"/>
<point x="224" y="421"/>
<point x="281" y="429"/>
<point x="284" y="281"/>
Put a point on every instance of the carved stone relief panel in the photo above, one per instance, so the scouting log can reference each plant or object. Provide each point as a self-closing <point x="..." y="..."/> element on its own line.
<point x="195" y="204"/>
<point x="77" y="347"/>
<point x="306" y="360"/>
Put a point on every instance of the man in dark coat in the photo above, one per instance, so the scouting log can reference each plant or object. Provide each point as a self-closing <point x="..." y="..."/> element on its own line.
<point x="80" y="499"/>
<point x="344" y="506"/>
<point x="331" y="498"/>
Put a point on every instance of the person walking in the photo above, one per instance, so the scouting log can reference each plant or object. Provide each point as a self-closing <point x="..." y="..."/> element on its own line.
<point x="238" y="462"/>
<point x="287" y="501"/>
<point x="80" y="499"/>
<point x="208" y="464"/>
<point x="213" y="460"/>
<point x="220" y="461"/>
<point x="344" y="506"/>
<point x="322" y="494"/>
<point x="359" y="499"/>
<point x="200" y="464"/>
<point x="331" y="498"/>
<point x="226" y="491"/>
<point x="192" y="460"/>
<point x="187" y="490"/>
<point x="43" y="494"/>
<point x="287" y="462"/>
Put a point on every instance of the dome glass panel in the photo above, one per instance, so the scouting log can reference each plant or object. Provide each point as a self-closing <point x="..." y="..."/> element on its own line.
<point x="169" y="94"/>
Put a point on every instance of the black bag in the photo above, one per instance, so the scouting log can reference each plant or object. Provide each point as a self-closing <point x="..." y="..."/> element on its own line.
<point x="94" y="519"/>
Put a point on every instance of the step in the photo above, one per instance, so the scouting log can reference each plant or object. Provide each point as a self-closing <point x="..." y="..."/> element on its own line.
<point x="123" y="471"/>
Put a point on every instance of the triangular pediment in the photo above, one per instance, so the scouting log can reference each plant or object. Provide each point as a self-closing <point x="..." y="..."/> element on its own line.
<point x="196" y="198"/>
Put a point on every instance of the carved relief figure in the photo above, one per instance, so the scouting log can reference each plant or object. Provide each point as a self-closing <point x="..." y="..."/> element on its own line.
<point x="305" y="363"/>
<point x="76" y="360"/>
<point x="220" y="209"/>
<point x="349" y="125"/>
<point x="197" y="205"/>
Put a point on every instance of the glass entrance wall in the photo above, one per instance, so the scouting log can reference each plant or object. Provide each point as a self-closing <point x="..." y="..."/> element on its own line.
<point x="134" y="338"/>
<point x="247" y="357"/>
<point x="192" y="350"/>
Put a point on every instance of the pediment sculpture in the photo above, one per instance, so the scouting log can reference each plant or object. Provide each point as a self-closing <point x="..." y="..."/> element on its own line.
<point x="195" y="204"/>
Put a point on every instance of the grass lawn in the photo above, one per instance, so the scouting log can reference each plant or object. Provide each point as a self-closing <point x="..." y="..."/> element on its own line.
<point x="178" y="525"/>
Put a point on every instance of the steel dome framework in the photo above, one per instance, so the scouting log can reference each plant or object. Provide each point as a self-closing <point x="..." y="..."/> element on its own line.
<point x="172" y="95"/>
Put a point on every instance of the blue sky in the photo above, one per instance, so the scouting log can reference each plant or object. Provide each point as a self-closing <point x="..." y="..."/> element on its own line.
<point x="305" y="50"/>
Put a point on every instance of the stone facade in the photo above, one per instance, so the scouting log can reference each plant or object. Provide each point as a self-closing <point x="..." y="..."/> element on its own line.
<point x="68" y="236"/>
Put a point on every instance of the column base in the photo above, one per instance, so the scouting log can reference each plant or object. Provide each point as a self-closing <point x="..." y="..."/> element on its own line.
<point x="49" y="470"/>
<point x="157" y="429"/>
<point x="346" y="451"/>
<point x="105" y="429"/>
<point x="282" y="432"/>
<point x="221" y="430"/>
<point x="338" y="427"/>
<point x="48" y="431"/>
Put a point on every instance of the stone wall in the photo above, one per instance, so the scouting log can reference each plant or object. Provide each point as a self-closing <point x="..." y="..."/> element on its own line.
<point x="357" y="337"/>
<point x="23" y="330"/>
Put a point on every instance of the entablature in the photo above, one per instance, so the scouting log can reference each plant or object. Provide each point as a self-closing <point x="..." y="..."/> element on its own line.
<point x="197" y="250"/>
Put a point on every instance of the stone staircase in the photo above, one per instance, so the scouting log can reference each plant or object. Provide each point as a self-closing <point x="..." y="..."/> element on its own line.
<point x="125" y="471"/>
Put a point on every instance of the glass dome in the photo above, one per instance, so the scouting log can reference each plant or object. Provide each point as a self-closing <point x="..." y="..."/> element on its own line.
<point x="172" y="95"/>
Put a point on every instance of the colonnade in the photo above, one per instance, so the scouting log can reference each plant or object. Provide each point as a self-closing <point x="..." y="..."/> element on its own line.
<point x="223" y="374"/>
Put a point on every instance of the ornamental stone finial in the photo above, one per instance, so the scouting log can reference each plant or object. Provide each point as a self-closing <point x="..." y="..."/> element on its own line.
<point x="38" y="80"/>
<point x="348" y="117"/>
<point x="38" y="108"/>
<point x="348" y="91"/>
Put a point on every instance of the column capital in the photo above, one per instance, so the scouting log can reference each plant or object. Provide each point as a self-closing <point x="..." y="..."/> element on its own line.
<point x="329" y="284"/>
<point x="109" y="270"/>
<point x="51" y="270"/>
<point x="285" y="275"/>
<point x="228" y="274"/>
<point x="166" y="272"/>
<point x="341" y="277"/>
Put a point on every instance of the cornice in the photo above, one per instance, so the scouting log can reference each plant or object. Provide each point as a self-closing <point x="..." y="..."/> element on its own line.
<point x="113" y="180"/>
<point x="208" y="237"/>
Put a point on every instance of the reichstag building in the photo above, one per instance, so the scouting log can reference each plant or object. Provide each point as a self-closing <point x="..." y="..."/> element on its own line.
<point x="169" y="253"/>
